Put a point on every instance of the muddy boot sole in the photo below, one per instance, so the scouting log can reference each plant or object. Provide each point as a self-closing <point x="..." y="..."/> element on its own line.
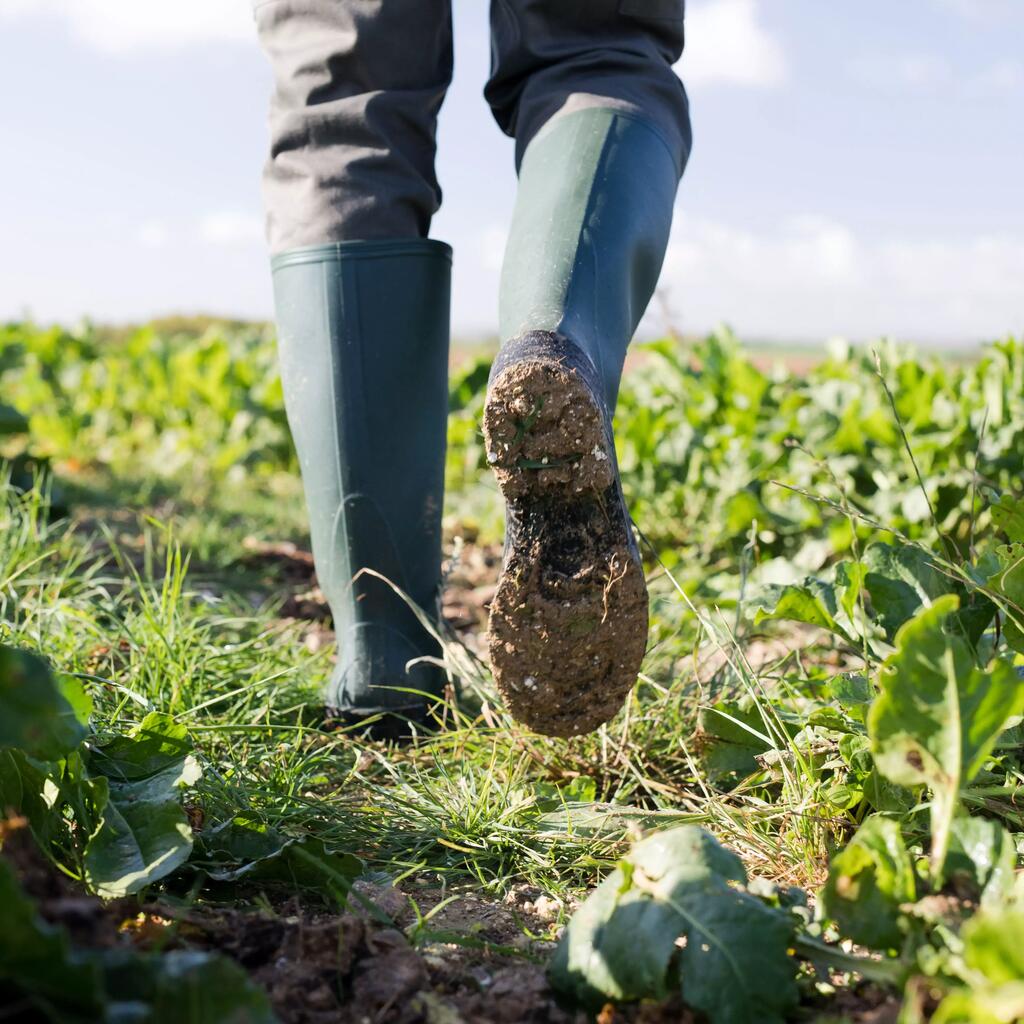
<point x="568" y="623"/>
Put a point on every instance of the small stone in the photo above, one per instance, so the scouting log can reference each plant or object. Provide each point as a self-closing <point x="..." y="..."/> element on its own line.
<point x="546" y="907"/>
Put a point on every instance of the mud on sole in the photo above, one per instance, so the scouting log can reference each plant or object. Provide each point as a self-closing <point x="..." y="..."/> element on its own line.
<point x="568" y="624"/>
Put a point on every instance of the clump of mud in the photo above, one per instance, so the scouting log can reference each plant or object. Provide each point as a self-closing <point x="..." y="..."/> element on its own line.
<point x="543" y="430"/>
<point x="568" y="623"/>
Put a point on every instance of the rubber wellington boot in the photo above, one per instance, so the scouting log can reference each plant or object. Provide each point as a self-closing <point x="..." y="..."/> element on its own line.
<point x="568" y="624"/>
<point x="363" y="339"/>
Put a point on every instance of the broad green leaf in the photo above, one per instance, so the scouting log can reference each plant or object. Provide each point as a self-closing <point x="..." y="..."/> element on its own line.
<point x="900" y="579"/>
<point x="1009" y="582"/>
<point x="994" y="945"/>
<point x="1002" y="1004"/>
<point x="11" y="421"/>
<point x="551" y="797"/>
<point x="157" y="744"/>
<point x="984" y="851"/>
<point x="853" y="693"/>
<point x="994" y="954"/>
<point x="187" y="987"/>
<point x="118" y="985"/>
<point x="812" y="601"/>
<point x="243" y="849"/>
<point x="36" y="714"/>
<point x="849" y="583"/>
<point x="867" y="882"/>
<point x="143" y="833"/>
<point x="731" y="735"/>
<point x="938" y="714"/>
<point x="37" y="960"/>
<point x="679" y="887"/>
<point x="1008" y="516"/>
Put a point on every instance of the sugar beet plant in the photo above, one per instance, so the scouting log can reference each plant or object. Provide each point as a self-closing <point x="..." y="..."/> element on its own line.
<point x="824" y="751"/>
<point x="924" y="885"/>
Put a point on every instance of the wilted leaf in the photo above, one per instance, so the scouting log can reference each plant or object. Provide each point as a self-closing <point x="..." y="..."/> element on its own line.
<point x="673" y="890"/>
<point x="36" y="714"/>
<point x="939" y="714"/>
<point x="867" y="882"/>
<point x="143" y="833"/>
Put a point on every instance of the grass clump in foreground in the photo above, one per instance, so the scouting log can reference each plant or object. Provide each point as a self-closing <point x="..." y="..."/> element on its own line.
<point x="807" y="809"/>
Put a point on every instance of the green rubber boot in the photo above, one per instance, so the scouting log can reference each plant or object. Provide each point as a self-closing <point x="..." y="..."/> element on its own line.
<point x="363" y="344"/>
<point x="568" y="624"/>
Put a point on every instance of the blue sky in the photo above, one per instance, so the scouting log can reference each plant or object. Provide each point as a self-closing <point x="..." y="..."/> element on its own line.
<point x="856" y="171"/>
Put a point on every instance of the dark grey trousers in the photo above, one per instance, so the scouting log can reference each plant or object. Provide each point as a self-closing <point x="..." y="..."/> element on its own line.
<point x="359" y="83"/>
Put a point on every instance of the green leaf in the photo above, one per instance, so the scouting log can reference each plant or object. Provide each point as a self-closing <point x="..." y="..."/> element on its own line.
<point x="1009" y="582"/>
<point x="1001" y="1005"/>
<point x="867" y="882"/>
<point x="38" y="715"/>
<point x="143" y="833"/>
<point x="850" y="578"/>
<point x="994" y="954"/>
<point x="11" y="421"/>
<point x="623" y="943"/>
<point x="853" y="693"/>
<point x="1008" y="516"/>
<point x="244" y="849"/>
<point x="983" y="851"/>
<point x="731" y="735"/>
<point x="36" y="959"/>
<point x="551" y="797"/>
<point x="157" y="744"/>
<point x="900" y="579"/>
<point x="116" y="985"/>
<point x="994" y="945"/>
<point x="938" y="714"/>
<point x="812" y="601"/>
<point x="187" y="987"/>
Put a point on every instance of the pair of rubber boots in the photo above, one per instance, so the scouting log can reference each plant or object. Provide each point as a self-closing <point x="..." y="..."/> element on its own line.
<point x="363" y="334"/>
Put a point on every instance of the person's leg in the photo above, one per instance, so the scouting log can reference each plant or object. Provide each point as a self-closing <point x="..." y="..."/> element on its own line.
<point x="602" y="136"/>
<point x="361" y="298"/>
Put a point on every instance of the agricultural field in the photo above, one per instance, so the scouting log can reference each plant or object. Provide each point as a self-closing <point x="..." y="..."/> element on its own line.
<point x="807" y="811"/>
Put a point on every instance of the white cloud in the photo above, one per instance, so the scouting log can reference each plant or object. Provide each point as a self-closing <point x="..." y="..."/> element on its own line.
<point x="1002" y="78"/>
<point x="231" y="227"/>
<point x="928" y="73"/>
<point x="153" y="234"/>
<point x="726" y="43"/>
<point x="813" y="275"/>
<point x="916" y="71"/>
<point x="126" y="25"/>
<point x="981" y="10"/>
